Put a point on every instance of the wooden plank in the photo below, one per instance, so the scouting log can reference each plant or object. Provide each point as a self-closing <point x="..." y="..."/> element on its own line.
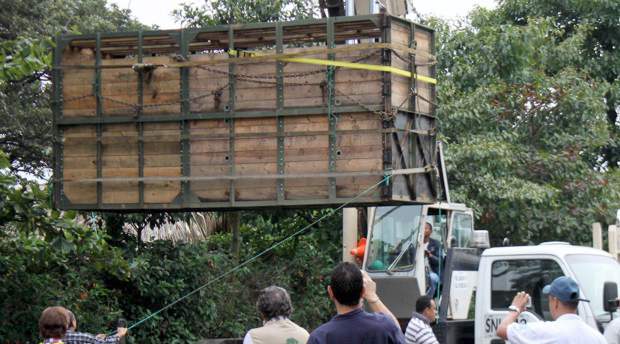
<point x="353" y="186"/>
<point x="82" y="78"/>
<point x="164" y="192"/>
<point x="423" y="40"/>
<point x="79" y="162"/>
<point x="257" y="95"/>
<point x="399" y="33"/>
<point x="291" y="155"/>
<point x="306" y="192"/>
<point x="80" y="193"/>
<point x="80" y="149"/>
<point x="120" y="192"/>
<point x="77" y="174"/>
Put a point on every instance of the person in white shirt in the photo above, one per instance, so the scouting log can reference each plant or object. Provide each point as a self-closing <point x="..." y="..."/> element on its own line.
<point x="567" y="327"/>
<point x="419" y="329"/>
<point x="612" y="332"/>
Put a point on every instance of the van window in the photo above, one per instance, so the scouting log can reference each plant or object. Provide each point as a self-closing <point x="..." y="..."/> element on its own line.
<point x="508" y="277"/>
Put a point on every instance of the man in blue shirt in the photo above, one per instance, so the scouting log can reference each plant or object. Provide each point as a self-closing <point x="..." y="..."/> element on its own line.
<point x="352" y="325"/>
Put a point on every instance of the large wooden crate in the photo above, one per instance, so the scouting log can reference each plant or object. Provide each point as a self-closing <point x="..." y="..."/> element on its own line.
<point x="225" y="117"/>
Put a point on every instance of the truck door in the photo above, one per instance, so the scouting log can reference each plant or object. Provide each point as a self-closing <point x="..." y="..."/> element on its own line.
<point x="456" y="311"/>
<point x="500" y="278"/>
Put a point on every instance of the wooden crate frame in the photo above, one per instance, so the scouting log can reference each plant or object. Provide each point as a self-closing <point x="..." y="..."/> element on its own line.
<point x="408" y="138"/>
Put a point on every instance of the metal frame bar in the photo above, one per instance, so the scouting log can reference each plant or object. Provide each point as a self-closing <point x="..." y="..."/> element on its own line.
<point x="232" y="86"/>
<point x="434" y="176"/>
<point x="413" y="106"/>
<point x="140" y="125"/>
<point x="279" y="109"/>
<point x="412" y="67"/>
<point x="198" y="206"/>
<point x="398" y="172"/>
<point x="332" y="118"/>
<point x="375" y="18"/>
<point x="386" y="190"/>
<point x="301" y="111"/>
<point x="57" y="107"/>
<point x="99" y="100"/>
<point x="184" y="39"/>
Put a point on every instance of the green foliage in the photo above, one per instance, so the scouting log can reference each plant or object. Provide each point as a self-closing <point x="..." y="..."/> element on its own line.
<point x="26" y="31"/>
<point x="529" y="96"/>
<point x="216" y="12"/>
<point x="23" y="57"/>
<point x="162" y="273"/>
<point x="46" y="259"/>
<point x="527" y="122"/>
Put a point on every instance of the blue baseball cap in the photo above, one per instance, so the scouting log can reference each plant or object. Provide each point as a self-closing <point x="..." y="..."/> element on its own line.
<point x="564" y="288"/>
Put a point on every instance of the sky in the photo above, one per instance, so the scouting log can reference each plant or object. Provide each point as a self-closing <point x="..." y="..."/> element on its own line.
<point x="158" y="12"/>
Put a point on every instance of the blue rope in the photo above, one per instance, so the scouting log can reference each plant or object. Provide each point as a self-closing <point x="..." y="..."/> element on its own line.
<point x="252" y="259"/>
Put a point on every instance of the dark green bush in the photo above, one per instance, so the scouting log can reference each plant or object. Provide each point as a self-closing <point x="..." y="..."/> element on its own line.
<point x="47" y="259"/>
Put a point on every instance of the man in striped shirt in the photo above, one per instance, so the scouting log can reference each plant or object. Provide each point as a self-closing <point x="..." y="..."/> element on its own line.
<point x="419" y="330"/>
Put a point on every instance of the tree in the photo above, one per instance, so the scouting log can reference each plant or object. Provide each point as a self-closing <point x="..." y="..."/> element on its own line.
<point x="597" y="22"/>
<point x="216" y="12"/>
<point x="26" y="31"/>
<point x="525" y="109"/>
<point x="46" y="258"/>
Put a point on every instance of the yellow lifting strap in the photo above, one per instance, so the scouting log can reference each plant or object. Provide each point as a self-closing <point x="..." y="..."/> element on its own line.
<point x="343" y="64"/>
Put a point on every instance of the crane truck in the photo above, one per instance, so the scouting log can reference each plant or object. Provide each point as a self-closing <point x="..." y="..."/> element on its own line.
<point x="478" y="282"/>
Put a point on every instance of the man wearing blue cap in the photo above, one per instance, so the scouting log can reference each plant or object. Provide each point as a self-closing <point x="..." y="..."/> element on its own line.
<point x="563" y="294"/>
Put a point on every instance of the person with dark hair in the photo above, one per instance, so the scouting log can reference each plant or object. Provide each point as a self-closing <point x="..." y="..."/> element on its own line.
<point x="53" y="325"/>
<point x="347" y="288"/>
<point x="567" y="327"/>
<point x="275" y="307"/>
<point x="419" y="330"/>
<point x="74" y="337"/>
<point x="432" y="254"/>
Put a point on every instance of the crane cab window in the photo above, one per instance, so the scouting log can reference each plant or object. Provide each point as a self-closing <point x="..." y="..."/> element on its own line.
<point x="508" y="277"/>
<point x="392" y="239"/>
<point x="439" y="220"/>
<point x="462" y="229"/>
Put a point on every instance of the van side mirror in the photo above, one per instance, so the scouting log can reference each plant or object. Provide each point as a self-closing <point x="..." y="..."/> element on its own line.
<point x="610" y="297"/>
<point x="480" y="239"/>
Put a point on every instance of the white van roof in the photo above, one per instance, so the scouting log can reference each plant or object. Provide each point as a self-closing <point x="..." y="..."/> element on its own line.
<point x="554" y="248"/>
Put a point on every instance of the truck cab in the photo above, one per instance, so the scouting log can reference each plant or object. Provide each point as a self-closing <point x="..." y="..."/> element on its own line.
<point x="477" y="283"/>
<point x="504" y="271"/>
<point x="393" y="257"/>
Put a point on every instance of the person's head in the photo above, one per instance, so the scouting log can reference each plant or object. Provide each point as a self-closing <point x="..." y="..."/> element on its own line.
<point x="425" y="305"/>
<point x="53" y="322"/>
<point x="346" y="285"/>
<point x="72" y="320"/>
<point x="428" y="230"/>
<point x="274" y="302"/>
<point x="563" y="294"/>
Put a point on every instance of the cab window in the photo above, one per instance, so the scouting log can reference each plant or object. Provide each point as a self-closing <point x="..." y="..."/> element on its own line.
<point x="392" y="241"/>
<point x="439" y="220"/>
<point x="509" y="277"/>
<point x="462" y="229"/>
